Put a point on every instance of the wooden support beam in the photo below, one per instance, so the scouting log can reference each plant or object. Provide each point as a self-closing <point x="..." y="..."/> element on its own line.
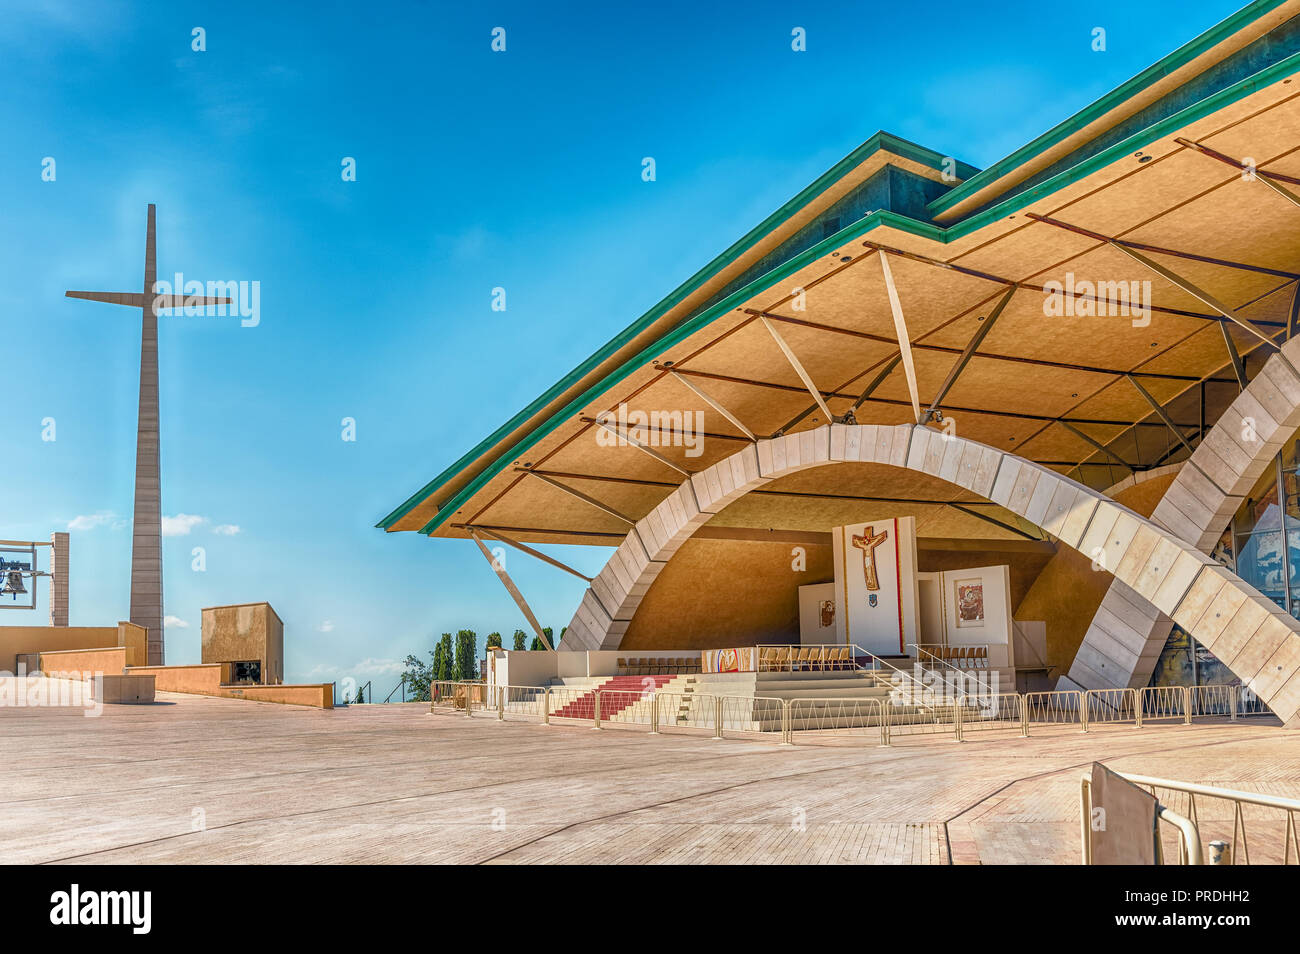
<point x="798" y="368"/>
<point x="971" y="346"/>
<point x="525" y="548"/>
<point x="1293" y="319"/>
<point x="513" y="590"/>
<point x="904" y="341"/>
<point x="878" y="380"/>
<point x="602" y="420"/>
<point x="1097" y="444"/>
<point x="1234" y="357"/>
<point x="584" y="498"/>
<point x="1272" y="180"/>
<point x="1195" y="292"/>
<point x="987" y="519"/>
<point x="714" y="403"/>
<point x="1160" y="412"/>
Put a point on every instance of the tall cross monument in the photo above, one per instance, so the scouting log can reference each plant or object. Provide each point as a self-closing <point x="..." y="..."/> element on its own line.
<point x="146" y="539"/>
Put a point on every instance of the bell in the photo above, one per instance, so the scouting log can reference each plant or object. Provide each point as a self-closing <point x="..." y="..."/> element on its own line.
<point x="13" y="584"/>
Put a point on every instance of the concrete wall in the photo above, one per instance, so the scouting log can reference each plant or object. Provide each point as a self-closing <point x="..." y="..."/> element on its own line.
<point x="209" y="679"/>
<point x="244" y="632"/>
<point x="124" y="690"/>
<point x="204" y="679"/>
<point x="318" y="695"/>
<point x="532" y="668"/>
<point x="136" y="640"/>
<point x="36" y="639"/>
<point x="108" y="661"/>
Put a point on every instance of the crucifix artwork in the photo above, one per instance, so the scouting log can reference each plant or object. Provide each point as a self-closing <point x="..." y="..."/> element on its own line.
<point x="867" y="544"/>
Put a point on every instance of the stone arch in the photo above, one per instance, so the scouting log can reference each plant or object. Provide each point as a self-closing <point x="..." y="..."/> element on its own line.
<point x="1170" y="575"/>
<point x="1126" y="635"/>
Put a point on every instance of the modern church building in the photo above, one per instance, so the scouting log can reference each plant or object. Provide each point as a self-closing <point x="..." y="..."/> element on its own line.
<point x="1039" y="418"/>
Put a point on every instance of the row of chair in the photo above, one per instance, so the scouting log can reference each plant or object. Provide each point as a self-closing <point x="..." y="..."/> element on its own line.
<point x="962" y="657"/>
<point x="791" y="658"/>
<point x="659" y="667"/>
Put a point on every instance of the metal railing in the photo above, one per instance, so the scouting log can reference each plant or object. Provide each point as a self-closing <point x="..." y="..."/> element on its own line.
<point x="1005" y="710"/>
<point x="932" y="711"/>
<point x="1231" y="701"/>
<point x="960" y="658"/>
<point x="1189" y="843"/>
<point x="1273" y="814"/>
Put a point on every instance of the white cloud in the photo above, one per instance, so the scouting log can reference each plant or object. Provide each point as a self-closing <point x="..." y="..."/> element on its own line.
<point x="89" y="521"/>
<point x="327" y="626"/>
<point x="181" y="524"/>
<point x="369" y="668"/>
<point x="226" y="529"/>
<point x="176" y="622"/>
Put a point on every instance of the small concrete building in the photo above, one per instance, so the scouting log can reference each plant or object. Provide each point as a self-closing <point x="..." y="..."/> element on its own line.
<point x="248" y="636"/>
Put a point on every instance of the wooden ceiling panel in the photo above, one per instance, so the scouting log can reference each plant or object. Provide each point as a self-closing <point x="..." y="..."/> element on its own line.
<point x="1107" y="265"/>
<point x="1121" y="401"/>
<point x="812" y="513"/>
<point x="1028" y="250"/>
<point x="989" y="384"/>
<point x="596" y="451"/>
<point x="1243" y="222"/>
<point x="1268" y="133"/>
<point x="856" y="298"/>
<point x="1160" y="184"/>
<point x="532" y="503"/>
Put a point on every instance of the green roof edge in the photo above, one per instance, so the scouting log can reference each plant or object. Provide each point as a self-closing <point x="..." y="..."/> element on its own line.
<point x="878" y="142"/>
<point x="1161" y="68"/>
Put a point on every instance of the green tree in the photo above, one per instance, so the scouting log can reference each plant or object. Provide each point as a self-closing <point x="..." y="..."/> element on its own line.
<point x="494" y="641"/>
<point x="417" y="677"/>
<point x="443" y="662"/>
<point x="537" y="643"/>
<point x="361" y="697"/>
<point x="465" y="666"/>
<point x="520" y="637"/>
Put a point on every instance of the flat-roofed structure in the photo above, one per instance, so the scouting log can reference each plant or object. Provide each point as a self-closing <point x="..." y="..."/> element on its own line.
<point x="1080" y="363"/>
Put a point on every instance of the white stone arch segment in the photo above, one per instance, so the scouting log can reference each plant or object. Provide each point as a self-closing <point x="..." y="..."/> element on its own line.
<point x="1126" y="636"/>
<point x="1159" y="568"/>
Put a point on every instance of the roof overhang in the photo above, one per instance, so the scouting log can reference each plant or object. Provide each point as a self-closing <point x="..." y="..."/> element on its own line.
<point x="1052" y="389"/>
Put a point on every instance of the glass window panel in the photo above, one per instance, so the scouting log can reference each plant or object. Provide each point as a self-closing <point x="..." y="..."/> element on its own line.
<point x="1260" y="510"/>
<point x="1174" y="667"/>
<point x="1260" y="563"/>
<point x="1291" y="481"/>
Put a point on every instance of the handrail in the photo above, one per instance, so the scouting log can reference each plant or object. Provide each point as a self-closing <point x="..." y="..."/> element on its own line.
<point x="401" y="685"/>
<point x="1213" y="791"/>
<point x="921" y="650"/>
<point x="1189" y="845"/>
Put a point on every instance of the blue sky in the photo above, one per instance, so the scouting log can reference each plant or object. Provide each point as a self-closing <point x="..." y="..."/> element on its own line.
<point x="474" y="170"/>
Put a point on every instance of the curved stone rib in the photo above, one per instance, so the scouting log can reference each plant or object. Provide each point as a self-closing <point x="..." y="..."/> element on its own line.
<point x="1159" y="569"/>
<point x="1124" y="640"/>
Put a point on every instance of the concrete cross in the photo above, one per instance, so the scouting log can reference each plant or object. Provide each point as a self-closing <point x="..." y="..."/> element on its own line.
<point x="867" y="544"/>
<point x="146" y="539"/>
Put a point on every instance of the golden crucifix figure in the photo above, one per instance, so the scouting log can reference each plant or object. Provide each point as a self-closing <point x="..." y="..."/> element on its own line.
<point x="867" y="544"/>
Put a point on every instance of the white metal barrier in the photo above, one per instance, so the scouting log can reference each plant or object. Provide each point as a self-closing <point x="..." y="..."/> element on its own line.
<point x="1101" y="706"/>
<point x="1060" y="707"/>
<point x="906" y="712"/>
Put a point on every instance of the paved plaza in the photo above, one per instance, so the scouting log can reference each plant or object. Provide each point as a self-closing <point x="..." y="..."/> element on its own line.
<point x="196" y="779"/>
